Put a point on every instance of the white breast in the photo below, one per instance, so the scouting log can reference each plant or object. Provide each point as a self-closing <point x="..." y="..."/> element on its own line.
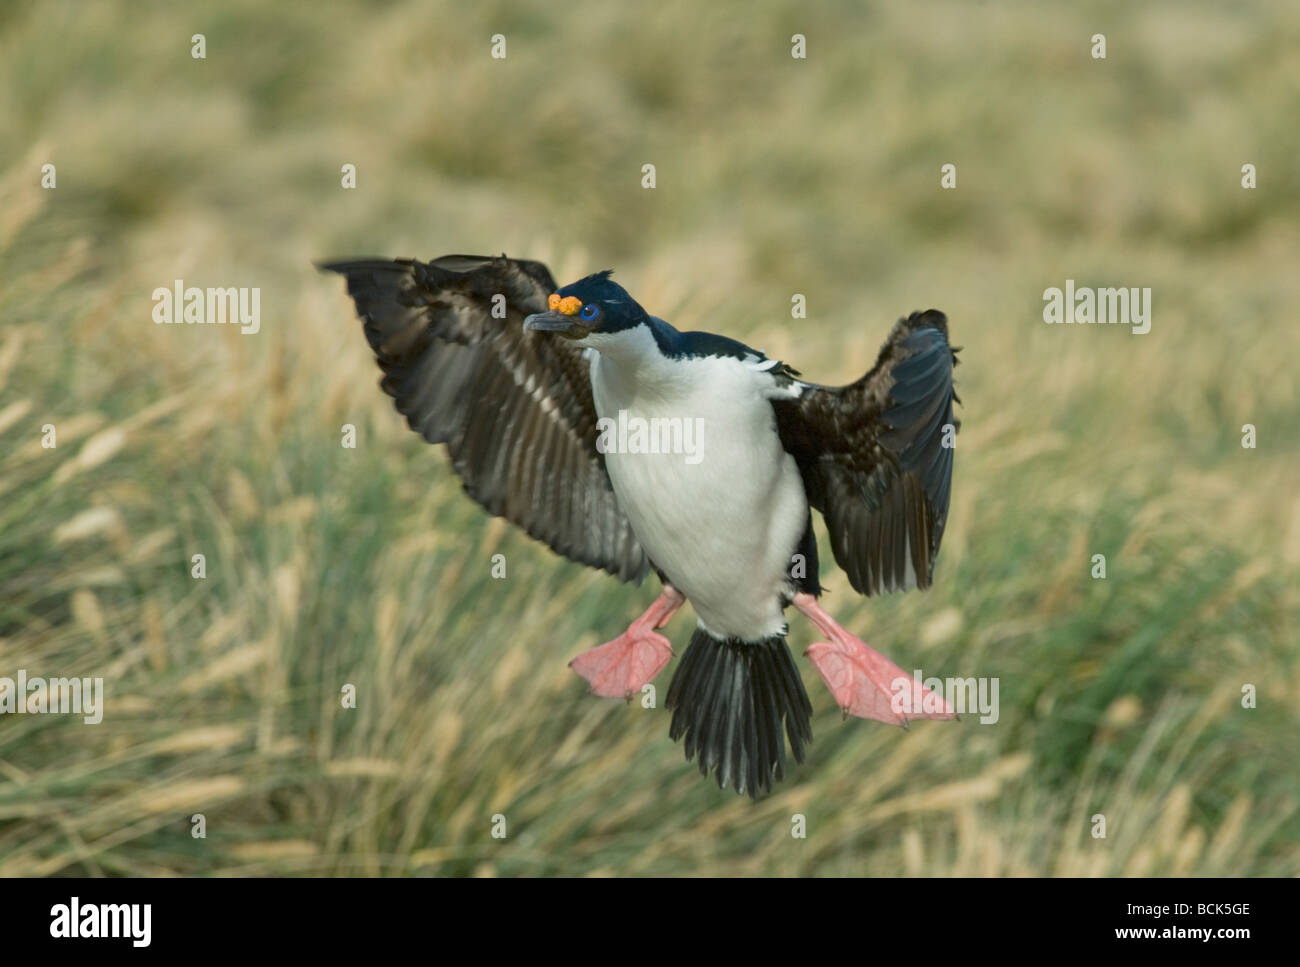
<point x="723" y="521"/>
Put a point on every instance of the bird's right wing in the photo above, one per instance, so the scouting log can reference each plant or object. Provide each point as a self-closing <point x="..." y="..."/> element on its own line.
<point x="514" y="408"/>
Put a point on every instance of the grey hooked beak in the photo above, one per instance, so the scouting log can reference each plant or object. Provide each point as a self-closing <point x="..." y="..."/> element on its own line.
<point x="568" y="326"/>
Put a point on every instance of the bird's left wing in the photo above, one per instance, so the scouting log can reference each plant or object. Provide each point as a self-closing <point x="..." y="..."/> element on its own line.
<point x="876" y="456"/>
<point x="515" y="409"/>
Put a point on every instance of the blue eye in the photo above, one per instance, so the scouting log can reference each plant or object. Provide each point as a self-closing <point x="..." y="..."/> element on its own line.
<point x="589" y="311"/>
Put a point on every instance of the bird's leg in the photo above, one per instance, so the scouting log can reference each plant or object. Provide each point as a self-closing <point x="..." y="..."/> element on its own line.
<point x="864" y="682"/>
<point x="619" y="668"/>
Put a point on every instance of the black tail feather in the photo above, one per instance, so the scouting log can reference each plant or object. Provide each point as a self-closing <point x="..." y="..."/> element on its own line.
<point x="729" y="700"/>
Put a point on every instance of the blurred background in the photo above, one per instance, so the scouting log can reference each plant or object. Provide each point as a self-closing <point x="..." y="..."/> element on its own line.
<point x="775" y="176"/>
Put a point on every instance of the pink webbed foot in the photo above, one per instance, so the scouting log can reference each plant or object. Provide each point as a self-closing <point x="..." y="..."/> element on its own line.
<point x="621" y="668"/>
<point x="864" y="682"/>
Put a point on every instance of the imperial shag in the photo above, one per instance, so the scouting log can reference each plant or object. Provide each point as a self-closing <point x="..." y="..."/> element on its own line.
<point x="524" y="382"/>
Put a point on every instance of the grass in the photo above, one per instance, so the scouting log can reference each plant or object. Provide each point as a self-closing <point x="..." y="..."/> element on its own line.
<point x="328" y="566"/>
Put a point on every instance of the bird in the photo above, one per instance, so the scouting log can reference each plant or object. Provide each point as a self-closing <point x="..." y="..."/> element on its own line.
<point x="532" y="388"/>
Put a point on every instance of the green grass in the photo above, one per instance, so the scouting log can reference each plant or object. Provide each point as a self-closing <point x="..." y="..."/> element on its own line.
<point x="328" y="566"/>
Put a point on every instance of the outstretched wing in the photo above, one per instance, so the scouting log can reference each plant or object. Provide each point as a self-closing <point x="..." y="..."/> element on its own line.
<point x="514" y="408"/>
<point x="873" y="457"/>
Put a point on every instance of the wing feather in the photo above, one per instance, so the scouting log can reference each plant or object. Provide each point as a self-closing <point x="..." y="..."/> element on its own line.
<point x="873" y="457"/>
<point x="515" y="409"/>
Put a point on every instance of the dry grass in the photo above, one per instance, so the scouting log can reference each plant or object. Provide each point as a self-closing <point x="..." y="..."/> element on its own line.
<point x="328" y="566"/>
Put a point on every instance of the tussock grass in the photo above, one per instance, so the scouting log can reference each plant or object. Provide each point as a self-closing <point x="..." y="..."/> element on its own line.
<point x="329" y="566"/>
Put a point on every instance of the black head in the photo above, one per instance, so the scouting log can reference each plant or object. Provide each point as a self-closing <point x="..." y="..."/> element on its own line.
<point x="594" y="304"/>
